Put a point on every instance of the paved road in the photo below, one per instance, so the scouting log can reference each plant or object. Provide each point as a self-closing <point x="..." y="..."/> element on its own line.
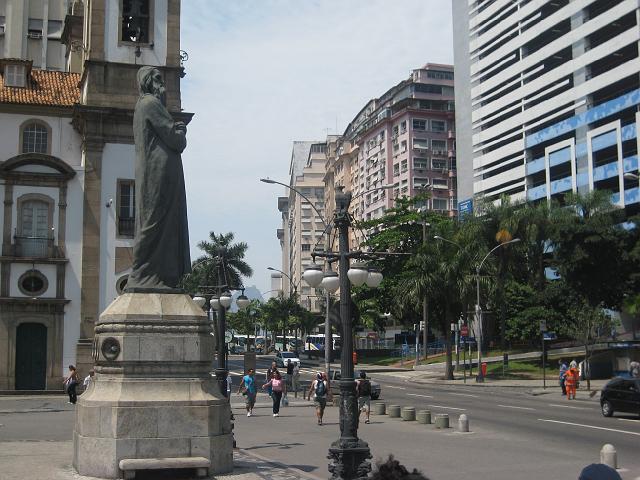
<point x="515" y="432"/>
<point x="515" y="435"/>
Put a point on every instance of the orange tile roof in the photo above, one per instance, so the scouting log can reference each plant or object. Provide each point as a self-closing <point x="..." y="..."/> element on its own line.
<point x="44" y="87"/>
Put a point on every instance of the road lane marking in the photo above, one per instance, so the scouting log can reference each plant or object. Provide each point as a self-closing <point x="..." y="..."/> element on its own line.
<point x="448" y="408"/>
<point x="419" y="395"/>
<point x="464" y="395"/>
<point x="392" y="386"/>
<point x="513" y="406"/>
<point x="568" y="406"/>
<point x="590" y="426"/>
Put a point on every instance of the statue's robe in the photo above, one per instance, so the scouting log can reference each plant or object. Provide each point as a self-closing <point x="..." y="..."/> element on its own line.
<point x="161" y="250"/>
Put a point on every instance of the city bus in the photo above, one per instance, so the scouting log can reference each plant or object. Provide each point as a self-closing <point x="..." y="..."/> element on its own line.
<point x="316" y="342"/>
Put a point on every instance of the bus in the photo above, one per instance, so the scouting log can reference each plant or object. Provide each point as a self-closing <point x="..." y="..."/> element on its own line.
<point x="316" y="342"/>
<point x="291" y="343"/>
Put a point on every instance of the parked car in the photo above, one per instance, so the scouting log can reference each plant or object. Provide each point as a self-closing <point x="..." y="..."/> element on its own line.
<point x="282" y="358"/>
<point x="620" y="395"/>
<point x="335" y="385"/>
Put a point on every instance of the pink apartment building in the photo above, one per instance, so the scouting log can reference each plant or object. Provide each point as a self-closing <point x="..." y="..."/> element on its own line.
<point x="407" y="138"/>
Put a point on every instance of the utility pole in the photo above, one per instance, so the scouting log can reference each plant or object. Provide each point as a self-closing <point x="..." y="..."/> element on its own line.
<point x="425" y="308"/>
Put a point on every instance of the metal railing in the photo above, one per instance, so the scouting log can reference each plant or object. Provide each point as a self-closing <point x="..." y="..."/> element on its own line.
<point x="126" y="226"/>
<point x="33" y="246"/>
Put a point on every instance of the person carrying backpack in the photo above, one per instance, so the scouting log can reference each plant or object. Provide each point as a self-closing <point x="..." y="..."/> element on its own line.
<point x="320" y="388"/>
<point x="363" y="392"/>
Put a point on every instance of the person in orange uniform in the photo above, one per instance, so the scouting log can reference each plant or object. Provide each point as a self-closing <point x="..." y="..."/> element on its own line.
<point x="571" y="380"/>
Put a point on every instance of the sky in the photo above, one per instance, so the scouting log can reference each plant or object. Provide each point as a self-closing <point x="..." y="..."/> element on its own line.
<point x="263" y="73"/>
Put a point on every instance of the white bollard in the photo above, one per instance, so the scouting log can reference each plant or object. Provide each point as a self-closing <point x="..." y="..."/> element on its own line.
<point x="463" y="423"/>
<point x="609" y="456"/>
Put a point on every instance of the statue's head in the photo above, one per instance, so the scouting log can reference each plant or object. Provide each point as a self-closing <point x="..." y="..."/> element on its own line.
<point x="150" y="82"/>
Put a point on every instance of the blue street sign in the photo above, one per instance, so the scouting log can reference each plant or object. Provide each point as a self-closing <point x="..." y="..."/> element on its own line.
<point x="405" y="349"/>
<point x="465" y="207"/>
<point x="471" y="340"/>
<point x="549" y="336"/>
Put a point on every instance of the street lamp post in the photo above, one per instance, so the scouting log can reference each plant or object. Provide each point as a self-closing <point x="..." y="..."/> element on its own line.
<point x="349" y="454"/>
<point x="480" y="376"/>
<point x="294" y="288"/>
<point x="219" y="299"/>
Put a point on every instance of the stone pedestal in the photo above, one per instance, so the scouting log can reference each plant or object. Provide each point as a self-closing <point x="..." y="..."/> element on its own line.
<point x="152" y="395"/>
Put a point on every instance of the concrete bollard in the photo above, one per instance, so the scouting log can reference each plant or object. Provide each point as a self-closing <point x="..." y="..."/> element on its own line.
<point x="394" y="411"/>
<point x="463" y="423"/>
<point x="408" y="414"/>
<point x="609" y="456"/>
<point x="380" y="408"/>
<point x="424" y="417"/>
<point x="442" y="420"/>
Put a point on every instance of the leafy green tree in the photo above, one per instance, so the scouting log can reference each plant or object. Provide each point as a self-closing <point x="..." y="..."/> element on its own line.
<point x="591" y="249"/>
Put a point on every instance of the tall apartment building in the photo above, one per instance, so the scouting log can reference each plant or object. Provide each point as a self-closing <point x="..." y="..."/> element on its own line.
<point x="406" y="138"/>
<point x="547" y="95"/>
<point x="302" y="227"/>
<point x="67" y="93"/>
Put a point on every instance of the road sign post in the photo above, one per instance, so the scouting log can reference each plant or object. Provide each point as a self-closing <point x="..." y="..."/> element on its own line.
<point x="543" y="328"/>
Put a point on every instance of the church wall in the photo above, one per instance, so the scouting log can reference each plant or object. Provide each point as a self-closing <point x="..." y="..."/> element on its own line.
<point x="73" y="270"/>
<point x="117" y="163"/>
<point x="120" y="52"/>
<point x="65" y="141"/>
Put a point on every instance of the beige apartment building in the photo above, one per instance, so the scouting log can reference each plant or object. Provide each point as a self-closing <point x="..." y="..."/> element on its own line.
<point x="303" y="226"/>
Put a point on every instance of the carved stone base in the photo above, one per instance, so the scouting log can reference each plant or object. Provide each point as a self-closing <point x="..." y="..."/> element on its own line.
<point x="349" y="460"/>
<point x="153" y="395"/>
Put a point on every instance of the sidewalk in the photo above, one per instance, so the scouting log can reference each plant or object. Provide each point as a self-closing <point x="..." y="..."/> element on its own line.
<point x="52" y="461"/>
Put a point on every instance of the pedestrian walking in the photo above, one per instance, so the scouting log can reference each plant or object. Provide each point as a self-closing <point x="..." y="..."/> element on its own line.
<point x="634" y="369"/>
<point x="87" y="380"/>
<point x="278" y="388"/>
<point x="289" y="378"/>
<point x="571" y="380"/>
<point x="269" y="375"/>
<point x="248" y="389"/>
<point x="295" y="379"/>
<point x="320" y="388"/>
<point x="70" y="384"/>
<point x="229" y="383"/>
<point x="563" y="369"/>
<point x="363" y="393"/>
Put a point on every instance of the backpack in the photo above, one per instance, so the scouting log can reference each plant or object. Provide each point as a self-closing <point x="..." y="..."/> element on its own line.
<point x="321" y="388"/>
<point x="364" y="388"/>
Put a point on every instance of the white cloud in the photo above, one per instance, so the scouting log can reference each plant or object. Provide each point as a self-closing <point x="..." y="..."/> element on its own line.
<point x="264" y="73"/>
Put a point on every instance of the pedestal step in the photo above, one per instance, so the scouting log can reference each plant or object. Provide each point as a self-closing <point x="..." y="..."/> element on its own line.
<point x="129" y="466"/>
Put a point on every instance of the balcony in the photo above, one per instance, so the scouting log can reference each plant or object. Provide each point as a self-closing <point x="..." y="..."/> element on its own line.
<point x="126" y="226"/>
<point x="34" y="247"/>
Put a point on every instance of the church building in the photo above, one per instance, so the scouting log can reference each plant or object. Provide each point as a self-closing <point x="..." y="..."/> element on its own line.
<point x="67" y="94"/>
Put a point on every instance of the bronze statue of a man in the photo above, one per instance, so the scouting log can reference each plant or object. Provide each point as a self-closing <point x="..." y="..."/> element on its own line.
<point x="161" y="249"/>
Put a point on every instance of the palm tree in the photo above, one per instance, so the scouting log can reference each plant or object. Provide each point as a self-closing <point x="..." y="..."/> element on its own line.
<point x="441" y="272"/>
<point x="222" y="263"/>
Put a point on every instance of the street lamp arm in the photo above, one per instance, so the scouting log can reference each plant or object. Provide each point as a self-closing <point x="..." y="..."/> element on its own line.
<point x="268" y="180"/>
<point x="493" y="250"/>
<point x="293" y="285"/>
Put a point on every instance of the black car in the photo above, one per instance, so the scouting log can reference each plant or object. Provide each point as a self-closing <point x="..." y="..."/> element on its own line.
<point x="620" y="395"/>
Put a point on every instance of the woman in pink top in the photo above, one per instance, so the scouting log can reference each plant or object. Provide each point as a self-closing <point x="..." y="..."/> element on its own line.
<point x="278" y="388"/>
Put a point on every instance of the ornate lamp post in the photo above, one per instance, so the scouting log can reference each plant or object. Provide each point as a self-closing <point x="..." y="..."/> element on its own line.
<point x="349" y="454"/>
<point x="219" y="299"/>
